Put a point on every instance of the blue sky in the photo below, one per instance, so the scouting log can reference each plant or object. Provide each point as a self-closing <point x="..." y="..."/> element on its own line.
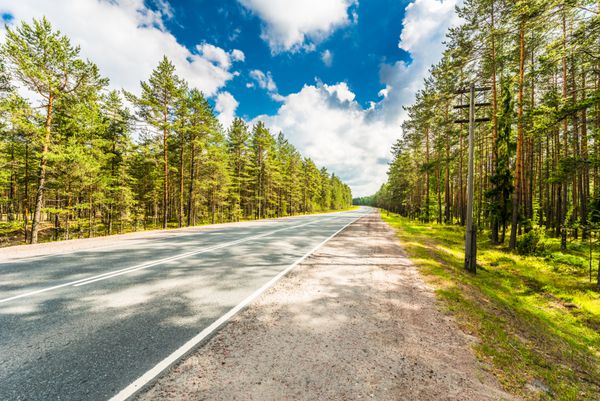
<point x="357" y="49"/>
<point x="333" y="75"/>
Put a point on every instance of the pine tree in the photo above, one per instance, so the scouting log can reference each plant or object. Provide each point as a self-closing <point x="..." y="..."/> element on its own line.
<point x="47" y="63"/>
<point x="157" y="106"/>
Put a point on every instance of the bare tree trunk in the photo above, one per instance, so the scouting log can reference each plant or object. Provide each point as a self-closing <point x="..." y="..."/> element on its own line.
<point x="427" y="174"/>
<point x="180" y="220"/>
<point x="494" y="223"/>
<point x="166" y="173"/>
<point x="26" y="195"/>
<point x="584" y="190"/>
<point x="519" y="157"/>
<point x="39" y="198"/>
<point x="565" y="189"/>
<point x="191" y="186"/>
<point x="447" y="196"/>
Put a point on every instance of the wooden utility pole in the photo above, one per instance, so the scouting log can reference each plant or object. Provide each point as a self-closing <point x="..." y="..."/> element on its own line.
<point x="471" y="230"/>
<point x="471" y="236"/>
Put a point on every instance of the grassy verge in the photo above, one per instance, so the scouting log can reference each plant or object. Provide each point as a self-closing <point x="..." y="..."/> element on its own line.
<point x="537" y="317"/>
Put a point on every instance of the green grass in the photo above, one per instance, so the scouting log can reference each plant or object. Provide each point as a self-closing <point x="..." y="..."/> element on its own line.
<point x="538" y="317"/>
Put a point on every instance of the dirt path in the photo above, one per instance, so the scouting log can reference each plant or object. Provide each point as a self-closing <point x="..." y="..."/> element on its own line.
<point x="354" y="322"/>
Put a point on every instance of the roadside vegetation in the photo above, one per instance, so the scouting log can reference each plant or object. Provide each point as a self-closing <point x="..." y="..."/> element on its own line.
<point x="80" y="160"/>
<point x="534" y="302"/>
<point x="536" y="162"/>
<point x="537" y="316"/>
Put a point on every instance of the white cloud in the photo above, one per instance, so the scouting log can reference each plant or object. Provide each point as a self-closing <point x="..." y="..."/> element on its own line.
<point x="265" y="81"/>
<point x="127" y="40"/>
<point x="327" y="58"/>
<point x="327" y="124"/>
<point x="425" y="25"/>
<point x="341" y="91"/>
<point x="238" y="55"/>
<point x="226" y="105"/>
<point x="291" y="25"/>
<point x="384" y="92"/>
<point x="214" y="54"/>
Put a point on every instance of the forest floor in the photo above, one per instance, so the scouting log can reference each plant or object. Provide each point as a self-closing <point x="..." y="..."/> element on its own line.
<point x="537" y="317"/>
<point x="354" y="321"/>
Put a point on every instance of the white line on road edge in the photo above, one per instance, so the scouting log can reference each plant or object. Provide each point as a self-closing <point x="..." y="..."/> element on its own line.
<point x="130" y="391"/>
<point x="126" y="270"/>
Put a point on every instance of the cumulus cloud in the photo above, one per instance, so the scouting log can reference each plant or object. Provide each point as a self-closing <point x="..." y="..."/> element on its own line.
<point x="327" y="58"/>
<point x="265" y="81"/>
<point x="219" y="56"/>
<point x="226" y="105"/>
<point x="425" y="25"/>
<point x="127" y="40"/>
<point x="340" y="91"/>
<point x="238" y="55"/>
<point x="327" y="124"/>
<point x="292" y="25"/>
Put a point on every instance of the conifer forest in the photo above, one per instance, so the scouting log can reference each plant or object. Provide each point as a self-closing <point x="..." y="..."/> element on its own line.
<point x="80" y="160"/>
<point x="536" y="68"/>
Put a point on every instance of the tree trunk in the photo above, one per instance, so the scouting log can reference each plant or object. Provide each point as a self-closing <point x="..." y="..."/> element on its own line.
<point x="166" y="173"/>
<point x="180" y="222"/>
<point x="39" y="198"/>
<point x="191" y="186"/>
<point x="519" y="163"/>
<point x="494" y="219"/>
<point x="427" y="174"/>
<point x="584" y="189"/>
<point x="26" y="195"/>
<point x="565" y="188"/>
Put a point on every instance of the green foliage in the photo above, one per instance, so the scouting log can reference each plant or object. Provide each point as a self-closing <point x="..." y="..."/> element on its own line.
<point x="107" y="169"/>
<point x="529" y="243"/>
<point x="47" y="63"/>
<point x="502" y="179"/>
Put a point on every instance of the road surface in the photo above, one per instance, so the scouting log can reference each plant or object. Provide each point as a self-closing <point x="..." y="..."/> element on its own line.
<point x="86" y="322"/>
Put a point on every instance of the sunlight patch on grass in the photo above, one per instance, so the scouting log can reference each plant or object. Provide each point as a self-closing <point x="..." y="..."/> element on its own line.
<point x="538" y="317"/>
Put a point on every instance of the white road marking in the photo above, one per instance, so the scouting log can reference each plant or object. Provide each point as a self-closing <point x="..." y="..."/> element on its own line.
<point x="184" y="255"/>
<point x="148" y="377"/>
<point x="89" y="280"/>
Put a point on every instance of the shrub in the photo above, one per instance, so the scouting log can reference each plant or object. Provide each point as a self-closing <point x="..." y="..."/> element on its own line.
<point x="530" y="242"/>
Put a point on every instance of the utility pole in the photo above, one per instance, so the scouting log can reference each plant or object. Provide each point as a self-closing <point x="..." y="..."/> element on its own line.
<point x="471" y="230"/>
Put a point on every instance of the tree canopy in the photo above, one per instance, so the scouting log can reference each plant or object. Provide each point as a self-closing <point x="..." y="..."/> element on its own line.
<point x="90" y="161"/>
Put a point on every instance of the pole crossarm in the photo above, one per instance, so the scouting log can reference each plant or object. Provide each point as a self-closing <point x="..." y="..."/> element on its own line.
<point x="468" y="90"/>
<point x="466" y="106"/>
<point x="477" y="120"/>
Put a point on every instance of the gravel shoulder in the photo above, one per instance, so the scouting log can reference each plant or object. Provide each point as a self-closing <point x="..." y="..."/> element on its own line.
<point x="355" y="321"/>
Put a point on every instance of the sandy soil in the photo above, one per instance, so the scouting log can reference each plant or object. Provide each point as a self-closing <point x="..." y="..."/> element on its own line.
<point x="354" y="322"/>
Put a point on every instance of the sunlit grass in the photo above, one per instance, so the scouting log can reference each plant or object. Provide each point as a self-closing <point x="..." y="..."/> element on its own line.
<point x="538" y="317"/>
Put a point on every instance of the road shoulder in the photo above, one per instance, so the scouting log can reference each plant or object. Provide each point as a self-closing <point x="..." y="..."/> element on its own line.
<point x="353" y="321"/>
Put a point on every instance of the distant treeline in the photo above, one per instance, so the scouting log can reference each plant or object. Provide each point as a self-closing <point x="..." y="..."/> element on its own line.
<point x="364" y="201"/>
<point x="72" y="168"/>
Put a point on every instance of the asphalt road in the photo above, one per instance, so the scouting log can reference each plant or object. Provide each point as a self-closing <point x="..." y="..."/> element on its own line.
<point x="84" y="324"/>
